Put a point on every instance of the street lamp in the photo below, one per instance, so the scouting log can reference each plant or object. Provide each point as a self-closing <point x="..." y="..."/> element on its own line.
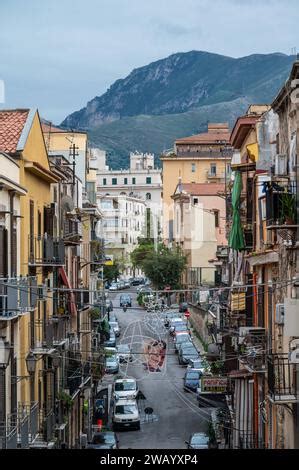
<point x="5" y="351"/>
<point x="31" y="363"/>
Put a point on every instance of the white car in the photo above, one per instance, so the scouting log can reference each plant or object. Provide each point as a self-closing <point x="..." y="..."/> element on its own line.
<point x="125" y="414"/>
<point x="113" y="286"/>
<point x="125" y="388"/>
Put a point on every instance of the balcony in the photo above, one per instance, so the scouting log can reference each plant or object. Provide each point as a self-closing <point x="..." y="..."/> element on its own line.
<point x="220" y="177"/>
<point x="281" y="207"/>
<point x="252" y="346"/>
<point x="45" y="251"/>
<point x="76" y="377"/>
<point x="282" y="385"/>
<point x="249" y="440"/>
<point x="41" y="334"/>
<point x="61" y="328"/>
<point x="21" y="428"/>
<point x="72" y="231"/>
<point x="18" y="296"/>
<point x="202" y="154"/>
<point x="46" y="426"/>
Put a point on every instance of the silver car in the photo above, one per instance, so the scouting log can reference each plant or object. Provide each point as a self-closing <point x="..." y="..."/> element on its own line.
<point x="115" y="327"/>
<point x="124" y="353"/>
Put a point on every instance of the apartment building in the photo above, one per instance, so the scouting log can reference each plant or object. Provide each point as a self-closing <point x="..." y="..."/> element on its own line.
<point x="199" y="228"/>
<point x="124" y="221"/>
<point x="257" y="327"/>
<point x="49" y="270"/>
<point x="142" y="180"/>
<point x="201" y="158"/>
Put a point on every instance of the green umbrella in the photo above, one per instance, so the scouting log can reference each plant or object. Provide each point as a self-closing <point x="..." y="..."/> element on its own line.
<point x="236" y="236"/>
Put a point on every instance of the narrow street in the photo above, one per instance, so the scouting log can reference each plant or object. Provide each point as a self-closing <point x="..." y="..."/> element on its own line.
<point x="176" y="414"/>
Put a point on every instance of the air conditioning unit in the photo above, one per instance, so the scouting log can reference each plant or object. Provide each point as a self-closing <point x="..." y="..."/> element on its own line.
<point x="255" y="333"/>
<point x="281" y="165"/>
<point x="279" y="314"/>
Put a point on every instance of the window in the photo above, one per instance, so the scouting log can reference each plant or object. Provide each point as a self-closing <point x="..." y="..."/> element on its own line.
<point x="106" y="204"/>
<point x="114" y="181"/>
<point x="148" y="196"/>
<point x="125" y="180"/>
<point x="195" y="201"/>
<point x="148" y="180"/>
<point x="216" y="214"/>
<point x="133" y="180"/>
<point x="193" y="167"/>
<point x="213" y="169"/>
<point x="104" y="181"/>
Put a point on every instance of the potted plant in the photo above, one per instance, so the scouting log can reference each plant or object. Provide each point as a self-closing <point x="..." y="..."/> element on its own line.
<point x="288" y="208"/>
<point x="65" y="399"/>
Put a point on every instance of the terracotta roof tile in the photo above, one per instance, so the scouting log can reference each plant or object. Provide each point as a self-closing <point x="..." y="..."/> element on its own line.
<point x="203" y="189"/>
<point x="50" y="128"/>
<point x="216" y="131"/>
<point x="11" y="126"/>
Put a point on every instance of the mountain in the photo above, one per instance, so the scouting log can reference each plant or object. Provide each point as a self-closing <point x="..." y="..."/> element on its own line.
<point x="176" y="96"/>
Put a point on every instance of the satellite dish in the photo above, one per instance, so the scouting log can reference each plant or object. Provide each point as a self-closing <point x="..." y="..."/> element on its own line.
<point x="67" y="203"/>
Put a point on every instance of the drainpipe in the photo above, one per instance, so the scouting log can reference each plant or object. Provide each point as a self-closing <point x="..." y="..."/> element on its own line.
<point x="11" y="210"/>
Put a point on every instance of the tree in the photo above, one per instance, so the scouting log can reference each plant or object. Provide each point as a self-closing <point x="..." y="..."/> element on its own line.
<point x="145" y="248"/>
<point x="111" y="273"/>
<point x="164" y="267"/>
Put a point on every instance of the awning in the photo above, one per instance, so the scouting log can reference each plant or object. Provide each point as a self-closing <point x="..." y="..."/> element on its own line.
<point x="72" y="300"/>
<point x="236" y="236"/>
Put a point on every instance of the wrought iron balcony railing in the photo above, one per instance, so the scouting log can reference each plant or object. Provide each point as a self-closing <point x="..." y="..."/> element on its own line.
<point x="18" y="295"/>
<point x="282" y="379"/>
<point x="21" y="428"/>
<point x="46" y="251"/>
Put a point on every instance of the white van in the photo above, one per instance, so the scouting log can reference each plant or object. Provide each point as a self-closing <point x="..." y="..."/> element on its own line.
<point x="125" y="414"/>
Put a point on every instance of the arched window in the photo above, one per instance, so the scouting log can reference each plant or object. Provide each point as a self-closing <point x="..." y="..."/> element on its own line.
<point x="122" y="193"/>
<point x="148" y="196"/>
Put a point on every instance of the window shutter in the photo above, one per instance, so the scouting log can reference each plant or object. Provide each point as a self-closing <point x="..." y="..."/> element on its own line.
<point x="3" y="251"/>
<point x="14" y="252"/>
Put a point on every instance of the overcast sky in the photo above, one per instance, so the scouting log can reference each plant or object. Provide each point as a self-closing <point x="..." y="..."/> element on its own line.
<point x="58" y="54"/>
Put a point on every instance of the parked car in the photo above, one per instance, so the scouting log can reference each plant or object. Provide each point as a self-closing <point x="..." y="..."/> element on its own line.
<point x="180" y="338"/>
<point x="187" y="351"/>
<point x="125" y="299"/>
<point x="125" y="414"/>
<point x="127" y="284"/>
<point x="180" y="327"/>
<point x="173" y="322"/>
<point x="183" y="307"/>
<point x="198" y="364"/>
<point x="198" y="440"/>
<point x="112" y="317"/>
<point x="111" y="364"/>
<point x="135" y="282"/>
<point x="168" y="316"/>
<point x="125" y="388"/>
<point x="124" y="353"/>
<point x="111" y="341"/>
<point x="114" y="286"/>
<point x="115" y="327"/>
<point x="191" y="380"/>
<point x="107" y="284"/>
<point x="103" y="440"/>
